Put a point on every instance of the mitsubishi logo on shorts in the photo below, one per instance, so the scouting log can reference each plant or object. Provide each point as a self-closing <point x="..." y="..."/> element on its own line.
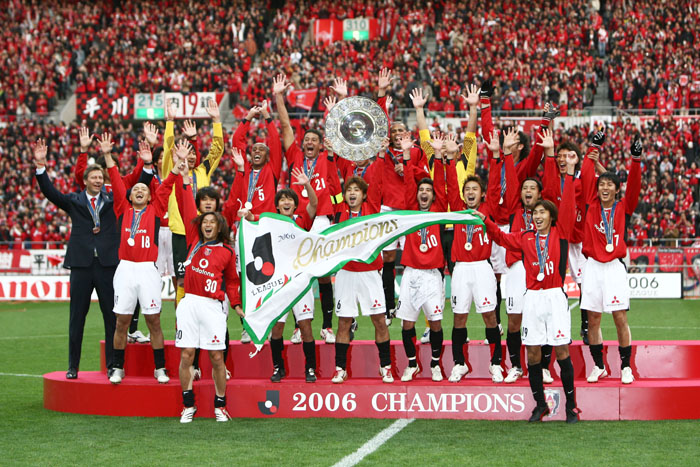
<point x="376" y="304"/>
<point x="215" y="340"/>
<point x="306" y="308"/>
<point x="153" y="304"/>
<point x="437" y="309"/>
<point x="560" y="334"/>
<point x="486" y="301"/>
<point x="615" y="300"/>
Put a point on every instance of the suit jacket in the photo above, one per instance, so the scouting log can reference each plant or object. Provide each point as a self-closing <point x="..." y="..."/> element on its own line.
<point x="83" y="243"/>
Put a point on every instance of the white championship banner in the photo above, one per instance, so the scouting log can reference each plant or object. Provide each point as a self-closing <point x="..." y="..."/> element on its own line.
<point x="655" y="285"/>
<point x="279" y="260"/>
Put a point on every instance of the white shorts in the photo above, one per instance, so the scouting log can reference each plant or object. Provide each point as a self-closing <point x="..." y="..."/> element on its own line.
<point x="136" y="282"/>
<point x="320" y="224"/>
<point x="546" y="318"/>
<point x="605" y="287"/>
<point x="398" y="243"/>
<point x="363" y="288"/>
<point x="164" y="263"/>
<point x="498" y="253"/>
<point x="515" y="288"/>
<point x="473" y="281"/>
<point x="577" y="262"/>
<point x="304" y="309"/>
<point x="201" y="323"/>
<point x="421" y="289"/>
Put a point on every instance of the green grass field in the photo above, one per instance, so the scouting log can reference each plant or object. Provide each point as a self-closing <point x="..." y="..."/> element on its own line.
<point x="34" y="341"/>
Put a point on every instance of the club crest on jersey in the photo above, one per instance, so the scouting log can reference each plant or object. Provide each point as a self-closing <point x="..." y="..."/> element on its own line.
<point x="601" y="227"/>
<point x="207" y="251"/>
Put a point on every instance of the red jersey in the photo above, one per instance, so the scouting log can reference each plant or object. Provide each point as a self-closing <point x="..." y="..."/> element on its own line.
<point x="505" y="192"/>
<point x="320" y="171"/>
<point x="257" y="186"/>
<point x="552" y="189"/>
<point x="393" y="192"/>
<point x="520" y="221"/>
<point x="554" y="247"/>
<point x="146" y="221"/>
<point x="211" y="271"/>
<point x="474" y="235"/>
<point x="371" y="205"/>
<point x="429" y="236"/>
<point x="594" y="238"/>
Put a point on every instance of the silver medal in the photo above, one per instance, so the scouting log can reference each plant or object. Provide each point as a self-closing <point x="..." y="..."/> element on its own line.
<point x="248" y="205"/>
<point x="609" y="248"/>
<point x="468" y="246"/>
<point x="304" y="193"/>
<point x="540" y="276"/>
<point x="500" y="201"/>
<point x="423" y="247"/>
<point x="187" y="263"/>
<point x="131" y="241"/>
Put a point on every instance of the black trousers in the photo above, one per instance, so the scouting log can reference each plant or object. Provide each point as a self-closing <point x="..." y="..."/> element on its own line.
<point x="82" y="283"/>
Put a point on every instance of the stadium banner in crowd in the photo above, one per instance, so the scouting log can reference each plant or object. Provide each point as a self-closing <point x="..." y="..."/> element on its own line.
<point x="279" y="260"/>
<point x="303" y="98"/>
<point x="53" y="288"/>
<point x="326" y="31"/>
<point x="102" y="106"/>
<point x="192" y="105"/>
<point x="15" y="261"/>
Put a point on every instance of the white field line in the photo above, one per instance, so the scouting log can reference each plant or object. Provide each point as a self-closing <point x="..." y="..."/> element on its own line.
<point x="373" y="444"/>
<point x="21" y="374"/>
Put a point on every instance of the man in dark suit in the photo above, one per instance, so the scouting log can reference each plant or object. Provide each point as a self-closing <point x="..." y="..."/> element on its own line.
<point x="92" y="254"/>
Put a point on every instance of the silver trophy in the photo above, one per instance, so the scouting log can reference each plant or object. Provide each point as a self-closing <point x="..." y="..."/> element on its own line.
<point x="356" y="127"/>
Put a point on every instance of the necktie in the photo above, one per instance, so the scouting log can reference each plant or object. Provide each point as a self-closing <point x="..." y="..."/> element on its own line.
<point x="92" y="200"/>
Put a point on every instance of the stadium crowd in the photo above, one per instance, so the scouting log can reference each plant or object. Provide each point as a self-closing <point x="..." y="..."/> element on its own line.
<point x="646" y="51"/>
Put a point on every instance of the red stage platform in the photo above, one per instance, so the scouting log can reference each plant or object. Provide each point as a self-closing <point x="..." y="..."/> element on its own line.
<point x="667" y="386"/>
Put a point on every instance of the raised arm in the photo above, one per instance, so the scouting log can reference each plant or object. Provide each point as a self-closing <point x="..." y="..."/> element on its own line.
<point x="410" y="187"/>
<point x="240" y="136"/>
<point x="567" y="211"/>
<point x="217" y="143"/>
<point x="485" y="94"/>
<point x="47" y="188"/>
<point x="634" y="180"/>
<point x="440" y="200"/>
<point x="82" y="162"/>
<point x="588" y="174"/>
<point x="121" y="204"/>
<point x="273" y="141"/>
<point x="279" y="86"/>
<point x="168" y="138"/>
<point x="510" y="241"/>
<point x="454" y="198"/>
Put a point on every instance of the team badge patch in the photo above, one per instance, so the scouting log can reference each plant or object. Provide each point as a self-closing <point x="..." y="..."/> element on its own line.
<point x="553" y="398"/>
<point x="207" y="251"/>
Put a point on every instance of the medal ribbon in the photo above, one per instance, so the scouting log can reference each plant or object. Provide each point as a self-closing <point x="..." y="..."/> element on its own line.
<point x="252" y="182"/>
<point x="95" y="213"/>
<point x="135" y="221"/>
<point x="503" y="179"/>
<point x="194" y="184"/>
<point x="470" y="233"/>
<point x="393" y="158"/>
<point x="541" y="254"/>
<point x="196" y="249"/>
<point x="307" y="172"/>
<point x="424" y="236"/>
<point x="527" y="219"/>
<point x="607" y="223"/>
<point x="364" y="169"/>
